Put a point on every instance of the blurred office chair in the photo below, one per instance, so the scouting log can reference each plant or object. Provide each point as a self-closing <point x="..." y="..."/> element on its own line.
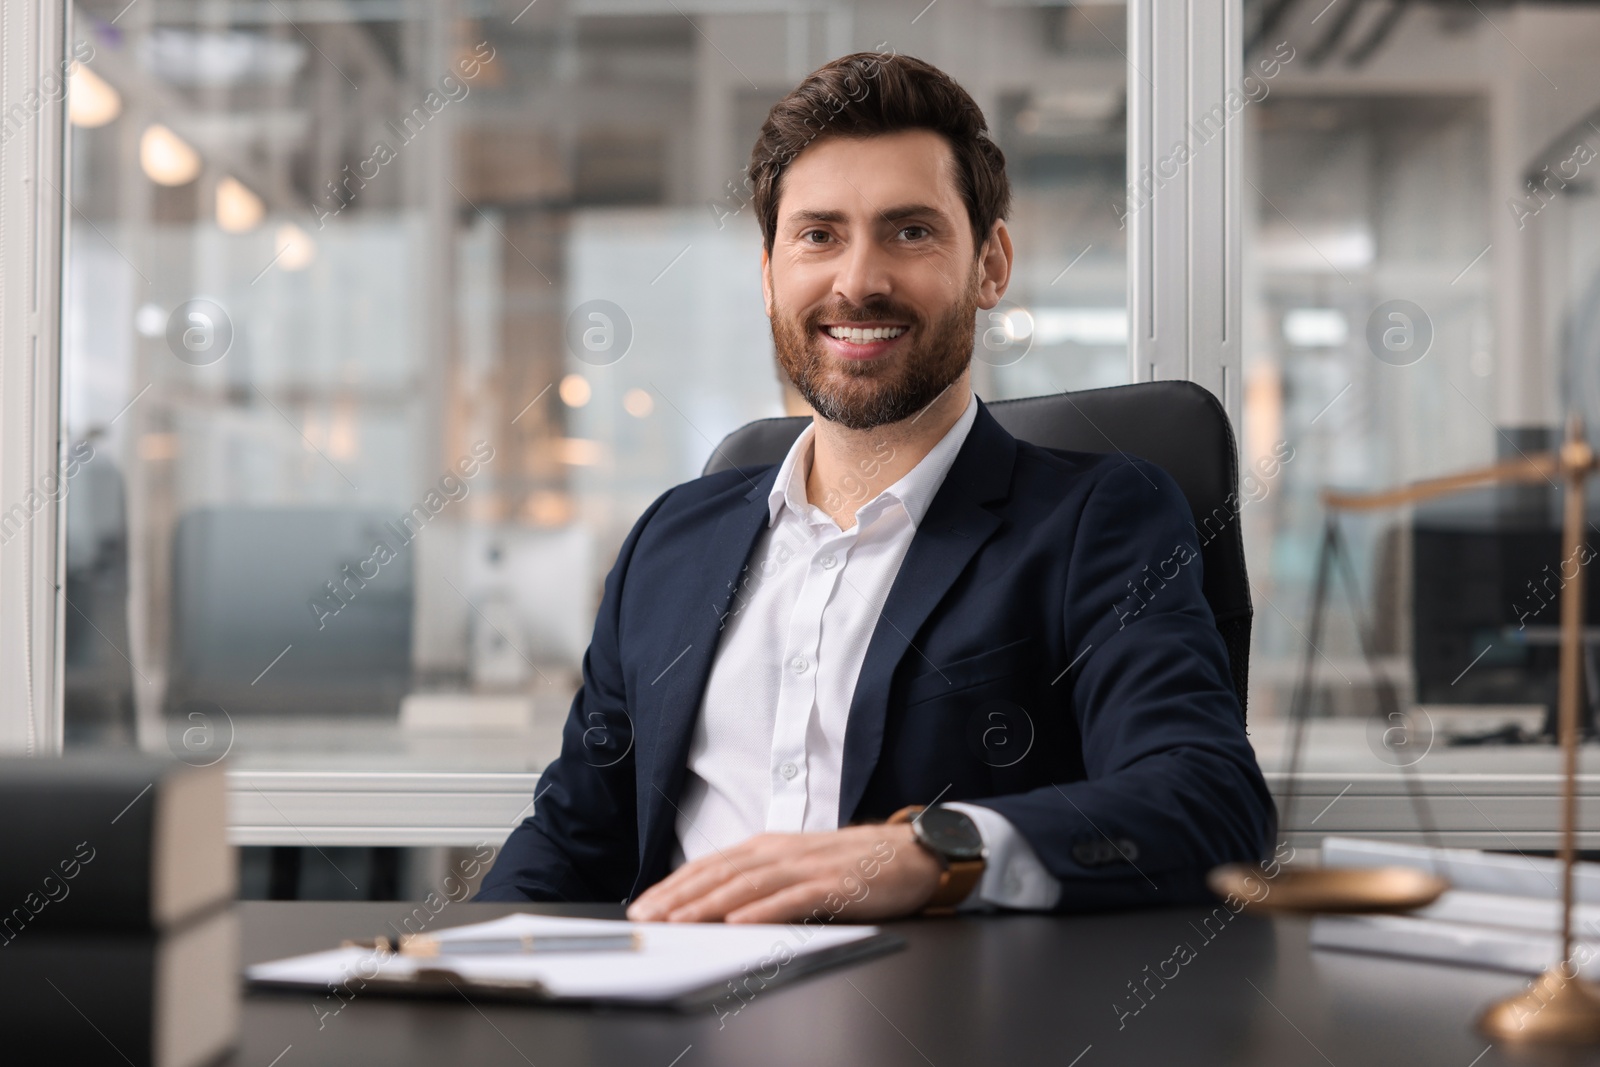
<point x="1177" y="425"/>
<point x="244" y="584"/>
<point x="98" y="680"/>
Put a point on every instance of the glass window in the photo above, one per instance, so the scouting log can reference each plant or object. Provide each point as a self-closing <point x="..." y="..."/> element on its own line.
<point x="1422" y="271"/>
<point x="384" y="322"/>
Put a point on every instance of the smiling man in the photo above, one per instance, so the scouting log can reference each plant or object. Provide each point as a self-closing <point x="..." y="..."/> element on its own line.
<point x="887" y="675"/>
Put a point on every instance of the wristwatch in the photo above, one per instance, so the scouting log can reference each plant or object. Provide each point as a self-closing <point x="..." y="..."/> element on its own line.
<point x="955" y="839"/>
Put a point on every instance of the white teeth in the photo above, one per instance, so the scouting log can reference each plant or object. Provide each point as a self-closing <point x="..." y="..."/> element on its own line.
<point x="860" y="337"/>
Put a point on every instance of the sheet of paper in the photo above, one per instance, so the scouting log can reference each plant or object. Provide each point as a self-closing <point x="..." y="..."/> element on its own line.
<point x="1501" y="912"/>
<point x="1436" y="941"/>
<point x="674" y="959"/>
<point x="1516" y="913"/>
<point x="1465" y="868"/>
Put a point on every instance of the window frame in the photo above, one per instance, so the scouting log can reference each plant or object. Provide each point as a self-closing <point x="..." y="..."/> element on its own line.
<point x="32" y="240"/>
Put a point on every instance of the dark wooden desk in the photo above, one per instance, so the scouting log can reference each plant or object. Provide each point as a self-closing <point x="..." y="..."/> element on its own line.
<point x="1005" y="990"/>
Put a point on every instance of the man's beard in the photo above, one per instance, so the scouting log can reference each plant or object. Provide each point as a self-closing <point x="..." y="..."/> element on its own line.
<point x="860" y="395"/>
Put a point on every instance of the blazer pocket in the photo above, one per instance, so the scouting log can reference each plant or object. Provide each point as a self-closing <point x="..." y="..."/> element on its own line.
<point x="943" y="679"/>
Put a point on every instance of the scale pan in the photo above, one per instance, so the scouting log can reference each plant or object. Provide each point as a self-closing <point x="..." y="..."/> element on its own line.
<point x="1311" y="890"/>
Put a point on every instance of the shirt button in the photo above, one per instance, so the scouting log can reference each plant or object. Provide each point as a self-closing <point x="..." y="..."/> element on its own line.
<point x="788" y="770"/>
<point x="827" y="562"/>
<point x="799" y="664"/>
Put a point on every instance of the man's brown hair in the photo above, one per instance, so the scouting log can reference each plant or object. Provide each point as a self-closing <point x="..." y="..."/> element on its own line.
<point x="867" y="94"/>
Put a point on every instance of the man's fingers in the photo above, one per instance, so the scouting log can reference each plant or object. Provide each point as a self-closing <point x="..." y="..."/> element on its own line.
<point x="789" y="904"/>
<point x="694" y="880"/>
<point x="678" y="889"/>
<point x="737" y="892"/>
<point x="771" y="877"/>
<point x="671" y="884"/>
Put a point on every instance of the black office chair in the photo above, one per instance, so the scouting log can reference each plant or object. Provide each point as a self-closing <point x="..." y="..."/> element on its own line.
<point x="1179" y="426"/>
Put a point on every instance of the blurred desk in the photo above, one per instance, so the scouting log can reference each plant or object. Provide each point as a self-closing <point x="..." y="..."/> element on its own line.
<point x="344" y="782"/>
<point x="369" y="782"/>
<point x="1012" y="990"/>
<point x="1480" y="796"/>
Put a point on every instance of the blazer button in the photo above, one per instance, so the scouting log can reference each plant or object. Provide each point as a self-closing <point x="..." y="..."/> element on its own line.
<point x="1103" y="852"/>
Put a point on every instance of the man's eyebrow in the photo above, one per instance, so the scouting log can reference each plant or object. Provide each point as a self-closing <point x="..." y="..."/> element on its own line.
<point x="893" y="214"/>
<point x="906" y="211"/>
<point x="815" y="215"/>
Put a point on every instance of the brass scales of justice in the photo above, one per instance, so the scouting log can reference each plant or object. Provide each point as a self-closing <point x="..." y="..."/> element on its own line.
<point x="1558" y="1008"/>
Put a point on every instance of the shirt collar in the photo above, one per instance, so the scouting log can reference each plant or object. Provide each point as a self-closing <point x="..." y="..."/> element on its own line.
<point x="914" y="492"/>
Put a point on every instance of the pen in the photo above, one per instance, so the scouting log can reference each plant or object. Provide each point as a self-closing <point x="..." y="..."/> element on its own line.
<point x="427" y="946"/>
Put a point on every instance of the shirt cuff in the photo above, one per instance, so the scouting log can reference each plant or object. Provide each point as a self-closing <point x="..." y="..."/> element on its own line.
<point x="1013" y="877"/>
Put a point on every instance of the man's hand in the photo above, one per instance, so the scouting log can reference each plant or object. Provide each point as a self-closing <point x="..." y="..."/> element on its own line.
<point x="856" y="874"/>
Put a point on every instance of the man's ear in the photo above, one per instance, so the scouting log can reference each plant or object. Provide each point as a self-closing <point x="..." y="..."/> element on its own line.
<point x="766" y="280"/>
<point x="994" y="265"/>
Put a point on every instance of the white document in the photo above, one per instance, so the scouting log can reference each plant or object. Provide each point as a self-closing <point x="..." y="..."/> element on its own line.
<point x="674" y="960"/>
<point x="1466" y="868"/>
<point x="1501" y="912"/>
<point x="1500" y="948"/>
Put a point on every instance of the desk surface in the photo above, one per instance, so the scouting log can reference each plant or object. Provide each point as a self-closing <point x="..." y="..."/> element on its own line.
<point x="1010" y="990"/>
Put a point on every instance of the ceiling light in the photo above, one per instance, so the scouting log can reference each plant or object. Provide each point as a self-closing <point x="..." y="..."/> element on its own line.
<point x="1319" y="250"/>
<point x="1017" y="324"/>
<point x="575" y="391"/>
<point x="1081" y="325"/>
<point x="638" y="403"/>
<point x="167" y="159"/>
<point x="1315" y="327"/>
<point x="238" y="209"/>
<point x="295" y="248"/>
<point x="150" y="320"/>
<point x="91" y="101"/>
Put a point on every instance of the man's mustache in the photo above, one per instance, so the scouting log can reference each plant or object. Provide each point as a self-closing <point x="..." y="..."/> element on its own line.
<point x="840" y="314"/>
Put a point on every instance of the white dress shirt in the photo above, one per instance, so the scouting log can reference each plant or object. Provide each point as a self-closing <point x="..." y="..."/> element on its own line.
<point x="768" y="747"/>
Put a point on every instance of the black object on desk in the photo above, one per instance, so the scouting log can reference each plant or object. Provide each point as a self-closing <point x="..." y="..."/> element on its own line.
<point x="1486" y="577"/>
<point x="118" y="942"/>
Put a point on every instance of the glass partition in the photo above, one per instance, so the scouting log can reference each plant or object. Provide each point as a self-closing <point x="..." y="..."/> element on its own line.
<point x="385" y="320"/>
<point x="1420" y="257"/>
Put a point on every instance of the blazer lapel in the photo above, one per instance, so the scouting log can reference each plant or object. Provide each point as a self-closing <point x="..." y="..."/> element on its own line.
<point x="954" y="528"/>
<point x="663" y="739"/>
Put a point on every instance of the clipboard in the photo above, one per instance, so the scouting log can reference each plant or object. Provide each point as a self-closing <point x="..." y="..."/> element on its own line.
<point x="693" y="966"/>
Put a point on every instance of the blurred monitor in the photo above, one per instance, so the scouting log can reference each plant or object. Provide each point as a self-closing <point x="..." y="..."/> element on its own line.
<point x="307" y="584"/>
<point x="499" y="605"/>
<point x="1486" y="576"/>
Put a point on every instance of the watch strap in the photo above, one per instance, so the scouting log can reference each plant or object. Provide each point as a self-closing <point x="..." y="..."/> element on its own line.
<point x="956" y="881"/>
<point x="906" y="814"/>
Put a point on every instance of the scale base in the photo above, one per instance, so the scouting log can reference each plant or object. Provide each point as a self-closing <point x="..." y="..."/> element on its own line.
<point x="1555" y="1010"/>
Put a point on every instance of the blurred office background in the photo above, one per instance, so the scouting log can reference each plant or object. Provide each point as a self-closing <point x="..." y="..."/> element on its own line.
<point x="326" y="258"/>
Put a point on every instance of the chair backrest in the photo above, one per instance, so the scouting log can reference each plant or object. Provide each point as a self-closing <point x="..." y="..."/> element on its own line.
<point x="1177" y="425"/>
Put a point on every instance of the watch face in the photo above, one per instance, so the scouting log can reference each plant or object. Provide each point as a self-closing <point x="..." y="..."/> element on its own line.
<point x="949" y="833"/>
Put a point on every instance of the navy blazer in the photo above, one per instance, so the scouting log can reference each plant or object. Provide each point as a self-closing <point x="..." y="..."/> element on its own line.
<point x="1044" y="651"/>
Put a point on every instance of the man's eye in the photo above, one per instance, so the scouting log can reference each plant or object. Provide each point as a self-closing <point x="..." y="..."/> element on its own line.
<point x="913" y="233"/>
<point x="815" y="237"/>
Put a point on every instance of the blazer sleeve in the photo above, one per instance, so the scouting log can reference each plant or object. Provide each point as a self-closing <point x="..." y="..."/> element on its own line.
<point x="581" y="844"/>
<point x="1172" y="786"/>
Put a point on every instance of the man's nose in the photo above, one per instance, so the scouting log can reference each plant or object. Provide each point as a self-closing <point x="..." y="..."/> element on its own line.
<point x="865" y="273"/>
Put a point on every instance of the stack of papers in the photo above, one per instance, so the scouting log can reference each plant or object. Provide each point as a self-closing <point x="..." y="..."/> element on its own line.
<point x="675" y="963"/>
<point x="1502" y="912"/>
